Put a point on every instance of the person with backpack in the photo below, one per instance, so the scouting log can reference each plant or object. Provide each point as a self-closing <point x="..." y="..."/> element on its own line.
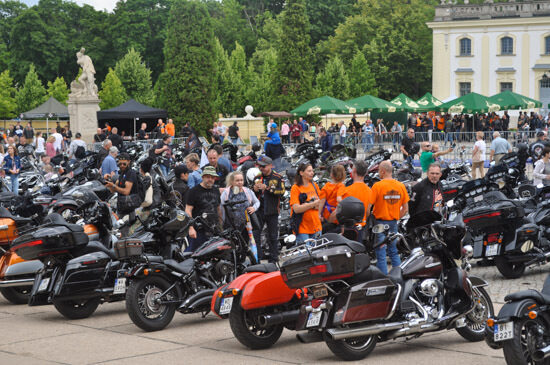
<point x="128" y="187"/>
<point x="77" y="148"/>
<point x="236" y="192"/>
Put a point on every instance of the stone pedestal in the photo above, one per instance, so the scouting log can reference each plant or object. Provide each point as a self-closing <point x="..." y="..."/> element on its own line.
<point x="83" y="116"/>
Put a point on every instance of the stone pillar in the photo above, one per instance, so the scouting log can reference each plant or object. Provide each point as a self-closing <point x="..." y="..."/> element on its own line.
<point x="83" y="115"/>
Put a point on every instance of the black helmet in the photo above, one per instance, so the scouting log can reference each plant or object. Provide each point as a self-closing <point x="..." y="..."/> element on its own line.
<point x="522" y="147"/>
<point x="350" y="211"/>
<point x="256" y="147"/>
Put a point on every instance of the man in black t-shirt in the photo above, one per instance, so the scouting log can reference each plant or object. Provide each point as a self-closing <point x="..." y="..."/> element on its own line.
<point x="163" y="149"/>
<point x="409" y="147"/>
<point x="99" y="136"/>
<point x="203" y="198"/>
<point x="234" y="134"/>
<point x="142" y="134"/>
<point x="221" y="170"/>
<point x="116" y="139"/>
<point x="127" y="179"/>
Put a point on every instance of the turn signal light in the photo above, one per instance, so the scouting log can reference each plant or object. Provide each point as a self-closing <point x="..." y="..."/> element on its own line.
<point x="146" y="272"/>
<point x="532" y="314"/>
<point x="235" y="291"/>
<point x="490" y="322"/>
<point x="220" y="294"/>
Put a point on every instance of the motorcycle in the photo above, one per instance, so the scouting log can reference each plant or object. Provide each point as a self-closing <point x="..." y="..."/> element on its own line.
<point x="522" y="327"/>
<point x="351" y="305"/>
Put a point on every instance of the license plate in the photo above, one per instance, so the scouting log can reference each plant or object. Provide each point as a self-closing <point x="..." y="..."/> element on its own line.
<point x="314" y="319"/>
<point x="504" y="331"/>
<point x="120" y="286"/>
<point x="491" y="250"/>
<point x="320" y="292"/>
<point x="44" y="284"/>
<point x="226" y="304"/>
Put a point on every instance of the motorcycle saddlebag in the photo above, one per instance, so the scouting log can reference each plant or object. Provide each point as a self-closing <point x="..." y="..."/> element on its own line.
<point x="492" y="209"/>
<point x="48" y="241"/>
<point x="129" y="247"/>
<point x="450" y="189"/>
<point x="10" y="234"/>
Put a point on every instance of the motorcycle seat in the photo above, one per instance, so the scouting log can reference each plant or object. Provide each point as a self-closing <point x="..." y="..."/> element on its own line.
<point x="58" y="220"/>
<point x="529" y="294"/>
<point x="154" y="258"/>
<point x="264" y="268"/>
<point x="396" y="275"/>
<point x="94" y="246"/>
<point x="184" y="267"/>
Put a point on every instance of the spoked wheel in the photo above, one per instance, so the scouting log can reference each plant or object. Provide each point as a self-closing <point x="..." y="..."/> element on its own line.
<point x="247" y="330"/>
<point x="529" y="335"/>
<point x="474" y="330"/>
<point x="510" y="270"/>
<point x="352" y="349"/>
<point x="17" y="294"/>
<point x="77" y="309"/>
<point x="144" y="303"/>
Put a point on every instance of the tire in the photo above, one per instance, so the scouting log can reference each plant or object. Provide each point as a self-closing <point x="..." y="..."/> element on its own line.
<point x="248" y="332"/>
<point x="352" y="349"/>
<point x="73" y="309"/>
<point x="516" y="350"/>
<point x="146" y="314"/>
<point x="509" y="270"/>
<point x="474" y="331"/>
<point x="17" y="294"/>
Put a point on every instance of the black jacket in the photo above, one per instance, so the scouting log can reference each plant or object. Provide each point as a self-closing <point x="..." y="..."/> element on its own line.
<point x="424" y="197"/>
<point x="270" y="198"/>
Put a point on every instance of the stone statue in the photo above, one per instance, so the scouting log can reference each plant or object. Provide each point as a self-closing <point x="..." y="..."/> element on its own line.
<point x="85" y="85"/>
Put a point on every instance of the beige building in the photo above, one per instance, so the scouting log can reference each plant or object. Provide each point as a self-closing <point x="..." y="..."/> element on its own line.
<point x="491" y="47"/>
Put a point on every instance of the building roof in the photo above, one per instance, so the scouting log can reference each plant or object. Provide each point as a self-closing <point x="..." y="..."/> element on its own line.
<point x="490" y="10"/>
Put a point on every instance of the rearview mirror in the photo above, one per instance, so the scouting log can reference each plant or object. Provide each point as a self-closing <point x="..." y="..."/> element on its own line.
<point x="380" y="228"/>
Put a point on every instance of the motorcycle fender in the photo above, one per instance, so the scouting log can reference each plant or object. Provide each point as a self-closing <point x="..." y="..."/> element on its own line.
<point x="216" y="301"/>
<point x="477" y="282"/>
<point x="265" y="291"/>
<point x="512" y="310"/>
<point x="43" y="297"/>
<point x="23" y="268"/>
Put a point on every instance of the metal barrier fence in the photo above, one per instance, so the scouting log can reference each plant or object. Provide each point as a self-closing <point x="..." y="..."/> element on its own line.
<point x="146" y="143"/>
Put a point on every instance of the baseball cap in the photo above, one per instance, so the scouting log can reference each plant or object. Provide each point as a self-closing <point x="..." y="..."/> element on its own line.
<point x="273" y="125"/>
<point x="209" y="170"/>
<point x="263" y="160"/>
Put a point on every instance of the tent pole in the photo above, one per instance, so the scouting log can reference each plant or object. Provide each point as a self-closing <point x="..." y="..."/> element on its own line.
<point x="47" y="128"/>
<point x="134" y="135"/>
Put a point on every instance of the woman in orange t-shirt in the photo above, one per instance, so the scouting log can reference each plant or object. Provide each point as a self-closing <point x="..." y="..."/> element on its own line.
<point x="310" y="227"/>
<point x="329" y="192"/>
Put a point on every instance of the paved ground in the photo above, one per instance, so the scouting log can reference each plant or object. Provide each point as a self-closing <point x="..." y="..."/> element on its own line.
<point x="39" y="335"/>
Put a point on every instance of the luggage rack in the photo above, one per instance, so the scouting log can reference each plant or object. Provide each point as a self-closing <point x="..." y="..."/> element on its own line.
<point x="307" y="247"/>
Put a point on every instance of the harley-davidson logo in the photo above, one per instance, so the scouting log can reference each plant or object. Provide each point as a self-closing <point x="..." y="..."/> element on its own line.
<point x="392" y="197"/>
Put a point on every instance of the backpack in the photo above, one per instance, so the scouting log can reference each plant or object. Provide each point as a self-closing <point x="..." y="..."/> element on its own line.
<point x="143" y="183"/>
<point x="80" y="152"/>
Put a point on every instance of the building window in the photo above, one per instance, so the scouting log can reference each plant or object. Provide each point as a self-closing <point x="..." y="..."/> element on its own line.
<point x="506" y="86"/>
<point x="465" y="88"/>
<point x="506" y="45"/>
<point x="547" y="45"/>
<point x="465" y="47"/>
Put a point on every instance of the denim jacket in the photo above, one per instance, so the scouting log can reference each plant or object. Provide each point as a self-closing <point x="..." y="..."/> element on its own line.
<point x="8" y="163"/>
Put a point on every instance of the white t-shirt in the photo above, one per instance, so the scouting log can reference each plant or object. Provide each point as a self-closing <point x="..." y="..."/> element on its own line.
<point x="343" y="130"/>
<point x="58" y="142"/>
<point x="40" y="145"/>
<point x="482" y="147"/>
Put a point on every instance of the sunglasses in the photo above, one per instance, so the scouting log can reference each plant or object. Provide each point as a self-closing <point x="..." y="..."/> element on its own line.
<point x="123" y="163"/>
<point x="261" y="166"/>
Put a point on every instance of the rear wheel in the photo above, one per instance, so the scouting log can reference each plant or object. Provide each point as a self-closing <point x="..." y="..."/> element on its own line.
<point x="144" y="303"/>
<point x="77" y="309"/>
<point x="16" y="294"/>
<point x="474" y="330"/>
<point x="246" y="329"/>
<point x="509" y="270"/>
<point x="352" y="349"/>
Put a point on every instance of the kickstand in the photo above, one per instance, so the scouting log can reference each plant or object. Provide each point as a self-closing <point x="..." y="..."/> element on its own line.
<point x="205" y="313"/>
<point x="413" y="337"/>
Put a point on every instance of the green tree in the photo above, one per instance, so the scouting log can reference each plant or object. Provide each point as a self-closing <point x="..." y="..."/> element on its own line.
<point x="295" y="70"/>
<point x="58" y="89"/>
<point x="325" y="16"/>
<point x="135" y="77"/>
<point x="223" y="79"/>
<point x="333" y="81"/>
<point x="240" y="80"/>
<point x="31" y="94"/>
<point x="112" y="92"/>
<point x="361" y="79"/>
<point x="261" y="93"/>
<point x="187" y="85"/>
<point x="8" y="105"/>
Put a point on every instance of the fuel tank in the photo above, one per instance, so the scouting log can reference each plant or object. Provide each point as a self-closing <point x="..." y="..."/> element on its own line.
<point x="422" y="266"/>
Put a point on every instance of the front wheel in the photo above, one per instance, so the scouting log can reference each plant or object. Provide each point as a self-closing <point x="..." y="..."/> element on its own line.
<point x="144" y="303"/>
<point x="245" y="327"/>
<point x="528" y="334"/>
<point x="509" y="269"/>
<point x="352" y="349"/>
<point x="76" y="309"/>
<point x="16" y="294"/>
<point x="476" y="320"/>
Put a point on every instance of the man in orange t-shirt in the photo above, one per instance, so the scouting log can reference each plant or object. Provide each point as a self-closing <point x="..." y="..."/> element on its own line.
<point x="391" y="203"/>
<point x="170" y="128"/>
<point x="358" y="190"/>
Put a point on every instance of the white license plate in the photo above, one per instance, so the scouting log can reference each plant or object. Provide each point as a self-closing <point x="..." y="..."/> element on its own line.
<point x="491" y="250"/>
<point x="314" y="319"/>
<point x="43" y="284"/>
<point x="504" y="331"/>
<point x="120" y="286"/>
<point x="226" y="304"/>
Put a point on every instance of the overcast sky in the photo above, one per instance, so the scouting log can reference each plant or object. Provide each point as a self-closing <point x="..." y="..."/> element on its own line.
<point x="98" y="4"/>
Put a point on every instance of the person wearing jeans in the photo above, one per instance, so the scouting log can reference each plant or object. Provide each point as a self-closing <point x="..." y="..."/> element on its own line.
<point x="12" y="167"/>
<point x="389" y="248"/>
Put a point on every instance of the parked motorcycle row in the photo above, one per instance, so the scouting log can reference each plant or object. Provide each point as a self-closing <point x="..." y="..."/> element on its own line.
<point x="63" y="245"/>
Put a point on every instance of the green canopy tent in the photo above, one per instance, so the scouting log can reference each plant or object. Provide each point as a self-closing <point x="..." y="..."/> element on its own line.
<point x="510" y="100"/>
<point x="369" y="103"/>
<point x="407" y="103"/>
<point x="323" y="105"/>
<point x="428" y="103"/>
<point x="468" y="104"/>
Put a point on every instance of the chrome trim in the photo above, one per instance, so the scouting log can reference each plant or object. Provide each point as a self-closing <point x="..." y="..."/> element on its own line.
<point x="16" y="282"/>
<point x="395" y="302"/>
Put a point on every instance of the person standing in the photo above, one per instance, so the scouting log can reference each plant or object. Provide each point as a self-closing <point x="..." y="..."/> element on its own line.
<point x="343" y="132"/>
<point x="28" y="132"/>
<point x="426" y="195"/>
<point x="163" y="150"/>
<point x="409" y="148"/>
<point x="499" y="147"/>
<point x="234" y="134"/>
<point x="142" y="133"/>
<point x="285" y="130"/>
<point x="304" y="199"/>
<point x="181" y="176"/>
<point x="12" y="167"/>
<point x="203" y="198"/>
<point x="73" y="147"/>
<point x="427" y="157"/>
<point x="192" y="162"/>
<point x="368" y="135"/>
<point x="50" y="146"/>
<point x="40" y="145"/>
<point x="235" y="192"/>
<point x="269" y="189"/>
<point x="222" y="171"/>
<point x="126" y="187"/>
<point x="115" y="138"/>
<point x="478" y="156"/>
<point x="222" y="131"/>
<point x="390" y="200"/>
<point x="396" y="131"/>
<point x="109" y="168"/>
<point x="329" y="193"/>
<point x="17" y="129"/>
<point x="103" y="152"/>
<point x="541" y="171"/>
<point x="295" y="132"/>
<point x="170" y="128"/>
<point x="448" y="131"/>
<point x="58" y="144"/>
<point x="325" y="140"/>
<point x="99" y="136"/>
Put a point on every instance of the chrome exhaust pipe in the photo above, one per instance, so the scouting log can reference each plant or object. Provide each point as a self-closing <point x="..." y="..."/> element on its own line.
<point x="341" y="333"/>
<point x="16" y="282"/>
<point x="541" y="354"/>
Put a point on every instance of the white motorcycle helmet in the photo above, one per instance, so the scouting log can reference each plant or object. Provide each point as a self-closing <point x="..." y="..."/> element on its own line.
<point x="252" y="174"/>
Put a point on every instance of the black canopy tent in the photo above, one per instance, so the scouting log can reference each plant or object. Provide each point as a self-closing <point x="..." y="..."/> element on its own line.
<point x="50" y="109"/>
<point x="130" y="112"/>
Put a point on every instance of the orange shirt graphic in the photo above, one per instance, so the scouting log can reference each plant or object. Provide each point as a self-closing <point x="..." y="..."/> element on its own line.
<point x="358" y="190"/>
<point x="330" y="192"/>
<point x="311" y="223"/>
<point x="388" y="196"/>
